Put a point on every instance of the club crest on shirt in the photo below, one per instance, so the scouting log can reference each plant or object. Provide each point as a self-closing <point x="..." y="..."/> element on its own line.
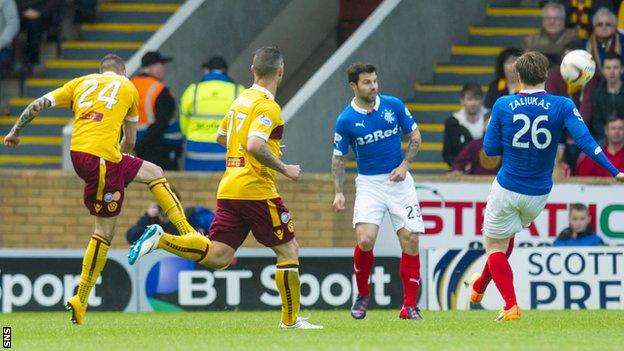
<point x="285" y="217"/>
<point x="388" y="115"/>
<point x="264" y="120"/>
<point x="108" y="197"/>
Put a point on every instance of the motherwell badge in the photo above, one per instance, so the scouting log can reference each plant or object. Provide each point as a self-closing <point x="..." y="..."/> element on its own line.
<point x="291" y="226"/>
<point x="112" y="206"/>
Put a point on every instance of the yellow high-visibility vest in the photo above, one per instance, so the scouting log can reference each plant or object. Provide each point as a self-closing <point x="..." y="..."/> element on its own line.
<point x="203" y="106"/>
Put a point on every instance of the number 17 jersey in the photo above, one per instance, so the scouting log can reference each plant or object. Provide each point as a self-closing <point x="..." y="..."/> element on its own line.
<point x="253" y="113"/>
<point x="100" y="103"/>
<point x="525" y="130"/>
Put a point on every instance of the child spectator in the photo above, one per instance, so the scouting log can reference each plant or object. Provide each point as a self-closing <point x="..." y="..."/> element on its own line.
<point x="579" y="232"/>
<point x="473" y="160"/>
<point x="465" y="124"/>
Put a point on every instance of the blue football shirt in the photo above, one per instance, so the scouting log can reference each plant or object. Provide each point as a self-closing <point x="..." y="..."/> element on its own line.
<point x="525" y="129"/>
<point x="375" y="136"/>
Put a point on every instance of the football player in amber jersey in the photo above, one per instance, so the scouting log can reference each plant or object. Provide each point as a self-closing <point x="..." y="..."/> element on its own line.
<point x="247" y="198"/>
<point x="103" y="104"/>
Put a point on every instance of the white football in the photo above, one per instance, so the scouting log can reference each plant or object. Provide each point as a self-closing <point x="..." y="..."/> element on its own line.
<point x="577" y="67"/>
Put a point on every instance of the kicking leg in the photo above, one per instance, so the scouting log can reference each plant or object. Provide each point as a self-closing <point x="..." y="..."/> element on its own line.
<point x="481" y="281"/>
<point x="154" y="177"/>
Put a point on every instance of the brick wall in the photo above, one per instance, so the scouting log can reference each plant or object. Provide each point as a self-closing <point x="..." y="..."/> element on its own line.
<point x="43" y="209"/>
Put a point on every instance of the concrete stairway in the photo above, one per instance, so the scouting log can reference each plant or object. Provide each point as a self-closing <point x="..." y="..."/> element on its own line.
<point x="123" y="28"/>
<point x="434" y="101"/>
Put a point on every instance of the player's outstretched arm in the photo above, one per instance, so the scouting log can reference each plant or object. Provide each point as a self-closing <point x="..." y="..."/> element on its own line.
<point x="338" y="172"/>
<point x="415" y="139"/>
<point x="259" y="149"/>
<point x="576" y="126"/>
<point x="29" y="113"/>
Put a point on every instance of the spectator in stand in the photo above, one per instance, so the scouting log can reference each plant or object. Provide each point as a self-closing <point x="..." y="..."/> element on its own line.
<point x="9" y="27"/>
<point x="465" y="124"/>
<point x="473" y="160"/>
<point x="613" y="149"/>
<point x="605" y="37"/>
<point x="159" y="139"/>
<point x="553" y="36"/>
<point x="608" y="99"/>
<point x="198" y="216"/>
<point x="85" y="11"/>
<point x="153" y="215"/>
<point x="507" y="81"/>
<point x="579" y="232"/>
<point x="35" y="17"/>
<point x="580" y="13"/>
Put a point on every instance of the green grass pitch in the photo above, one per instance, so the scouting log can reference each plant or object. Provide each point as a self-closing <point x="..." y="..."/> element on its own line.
<point x="381" y="330"/>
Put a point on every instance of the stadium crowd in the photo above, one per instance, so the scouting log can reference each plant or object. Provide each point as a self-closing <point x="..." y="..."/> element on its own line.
<point x="566" y="25"/>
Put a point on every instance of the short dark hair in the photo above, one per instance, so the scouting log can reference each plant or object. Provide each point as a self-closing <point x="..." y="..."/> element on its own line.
<point x="504" y="56"/>
<point x="216" y="62"/>
<point x="612" y="119"/>
<point x="611" y="56"/>
<point x="532" y="68"/>
<point x="471" y="88"/>
<point x="578" y="207"/>
<point x="267" y="61"/>
<point x="113" y="63"/>
<point x="357" y="68"/>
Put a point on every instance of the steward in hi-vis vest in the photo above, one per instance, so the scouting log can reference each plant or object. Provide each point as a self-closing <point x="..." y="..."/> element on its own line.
<point x="202" y="107"/>
<point x="159" y="139"/>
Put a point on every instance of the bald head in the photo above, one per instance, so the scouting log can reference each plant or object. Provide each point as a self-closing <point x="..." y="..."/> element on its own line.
<point x="113" y="63"/>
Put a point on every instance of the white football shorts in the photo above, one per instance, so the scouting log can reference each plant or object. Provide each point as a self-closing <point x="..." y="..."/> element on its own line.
<point x="376" y="194"/>
<point x="508" y="212"/>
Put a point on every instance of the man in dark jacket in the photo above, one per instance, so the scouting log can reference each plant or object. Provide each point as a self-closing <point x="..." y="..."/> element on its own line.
<point x="608" y="98"/>
<point x="35" y="16"/>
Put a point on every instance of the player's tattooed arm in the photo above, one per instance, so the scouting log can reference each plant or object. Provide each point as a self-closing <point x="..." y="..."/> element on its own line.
<point x="262" y="153"/>
<point x="31" y="111"/>
<point x="338" y="171"/>
<point x="413" y="146"/>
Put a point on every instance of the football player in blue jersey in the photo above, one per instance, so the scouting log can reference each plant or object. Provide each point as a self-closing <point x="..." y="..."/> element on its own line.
<point x="524" y="130"/>
<point x="373" y="126"/>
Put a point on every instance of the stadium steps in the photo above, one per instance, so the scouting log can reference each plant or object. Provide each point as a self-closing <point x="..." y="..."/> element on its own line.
<point x="433" y="102"/>
<point x="122" y="29"/>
